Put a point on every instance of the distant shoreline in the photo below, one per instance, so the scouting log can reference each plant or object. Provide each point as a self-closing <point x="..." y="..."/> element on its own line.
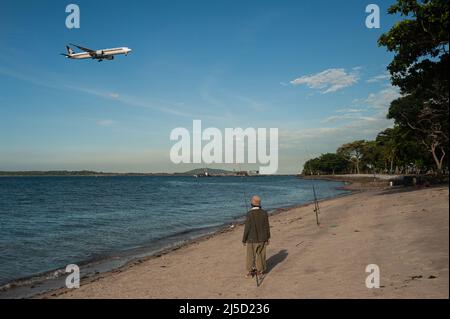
<point x="45" y="174"/>
<point x="101" y="174"/>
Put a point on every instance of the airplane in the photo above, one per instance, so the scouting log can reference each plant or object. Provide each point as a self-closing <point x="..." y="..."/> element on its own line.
<point x="100" y="55"/>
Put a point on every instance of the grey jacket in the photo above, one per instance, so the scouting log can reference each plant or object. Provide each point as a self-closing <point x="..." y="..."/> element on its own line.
<point x="257" y="229"/>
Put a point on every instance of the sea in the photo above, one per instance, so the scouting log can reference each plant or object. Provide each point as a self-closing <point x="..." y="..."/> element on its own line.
<point x="103" y="222"/>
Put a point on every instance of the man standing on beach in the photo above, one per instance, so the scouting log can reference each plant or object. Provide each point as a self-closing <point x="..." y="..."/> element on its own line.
<point x="256" y="237"/>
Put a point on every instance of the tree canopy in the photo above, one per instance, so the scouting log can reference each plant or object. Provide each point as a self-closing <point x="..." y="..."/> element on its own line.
<point x="420" y="69"/>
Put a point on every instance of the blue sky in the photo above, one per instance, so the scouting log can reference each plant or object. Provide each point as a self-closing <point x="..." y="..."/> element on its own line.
<point x="309" y="68"/>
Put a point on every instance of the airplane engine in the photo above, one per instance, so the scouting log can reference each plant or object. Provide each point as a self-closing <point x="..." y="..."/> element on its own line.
<point x="109" y="57"/>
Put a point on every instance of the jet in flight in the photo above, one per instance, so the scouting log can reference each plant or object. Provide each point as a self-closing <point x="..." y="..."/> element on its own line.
<point x="100" y="55"/>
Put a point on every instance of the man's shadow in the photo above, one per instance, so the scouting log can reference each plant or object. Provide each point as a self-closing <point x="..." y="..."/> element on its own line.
<point x="271" y="263"/>
<point x="274" y="260"/>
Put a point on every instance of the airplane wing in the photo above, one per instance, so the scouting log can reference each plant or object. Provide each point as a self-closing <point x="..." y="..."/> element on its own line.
<point x="84" y="49"/>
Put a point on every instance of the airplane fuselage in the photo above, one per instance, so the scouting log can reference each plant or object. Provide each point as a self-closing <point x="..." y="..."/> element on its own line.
<point x="105" y="54"/>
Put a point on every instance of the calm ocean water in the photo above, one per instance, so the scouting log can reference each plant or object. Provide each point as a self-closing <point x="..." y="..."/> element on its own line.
<point x="49" y="222"/>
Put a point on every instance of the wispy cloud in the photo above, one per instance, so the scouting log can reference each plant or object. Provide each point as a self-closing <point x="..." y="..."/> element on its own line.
<point x="106" y="122"/>
<point x="379" y="78"/>
<point x="131" y="101"/>
<point x="136" y="102"/>
<point x="222" y="98"/>
<point x="252" y="103"/>
<point x="376" y="104"/>
<point x="172" y="109"/>
<point x="114" y="95"/>
<point x="345" y="125"/>
<point x="328" y="81"/>
<point x="382" y="99"/>
<point x="349" y="110"/>
<point x="28" y="78"/>
<point x="349" y="116"/>
<point x="327" y="139"/>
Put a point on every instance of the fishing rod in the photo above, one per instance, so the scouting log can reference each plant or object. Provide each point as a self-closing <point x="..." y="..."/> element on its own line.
<point x="316" y="202"/>
<point x="316" y="205"/>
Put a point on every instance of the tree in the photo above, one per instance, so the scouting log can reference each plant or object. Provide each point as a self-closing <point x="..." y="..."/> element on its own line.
<point x="373" y="156"/>
<point x="429" y="122"/>
<point x="332" y="163"/>
<point x="420" y="69"/>
<point x="353" y="152"/>
<point x="387" y="141"/>
<point x="420" y="43"/>
<point x="311" y="167"/>
<point x="329" y="163"/>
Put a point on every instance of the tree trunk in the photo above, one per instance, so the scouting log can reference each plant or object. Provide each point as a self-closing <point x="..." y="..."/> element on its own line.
<point x="438" y="161"/>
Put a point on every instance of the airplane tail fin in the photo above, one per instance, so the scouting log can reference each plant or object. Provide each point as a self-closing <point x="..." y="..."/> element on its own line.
<point x="69" y="50"/>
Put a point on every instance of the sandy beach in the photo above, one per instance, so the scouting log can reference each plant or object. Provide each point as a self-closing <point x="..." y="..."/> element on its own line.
<point x="403" y="231"/>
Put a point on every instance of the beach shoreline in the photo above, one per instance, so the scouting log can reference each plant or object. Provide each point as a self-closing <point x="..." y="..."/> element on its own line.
<point x="49" y="281"/>
<point x="153" y="269"/>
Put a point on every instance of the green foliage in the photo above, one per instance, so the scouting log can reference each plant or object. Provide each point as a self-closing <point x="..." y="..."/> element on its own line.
<point x="395" y="150"/>
<point x="420" y="42"/>
<point x="353" y="152"/>
<point x="421" y="69"/>
<point x="328" y="163"/>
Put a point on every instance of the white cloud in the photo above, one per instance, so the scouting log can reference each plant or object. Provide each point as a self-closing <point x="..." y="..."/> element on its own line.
<point x="328" y="81"/>
<point x="327" y="139"/>
<point x="349" y="116"/>
<point x="350" y="110"/>
<point x="379" y="78"/>
<point x="106" y="122"/>
<point x="382" y="99"/>
<point x="346" y="125"/>
<point x="375" y="105"/>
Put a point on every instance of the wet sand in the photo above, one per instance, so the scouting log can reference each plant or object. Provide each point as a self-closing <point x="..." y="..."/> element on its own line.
<point x="404" y="231"/>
